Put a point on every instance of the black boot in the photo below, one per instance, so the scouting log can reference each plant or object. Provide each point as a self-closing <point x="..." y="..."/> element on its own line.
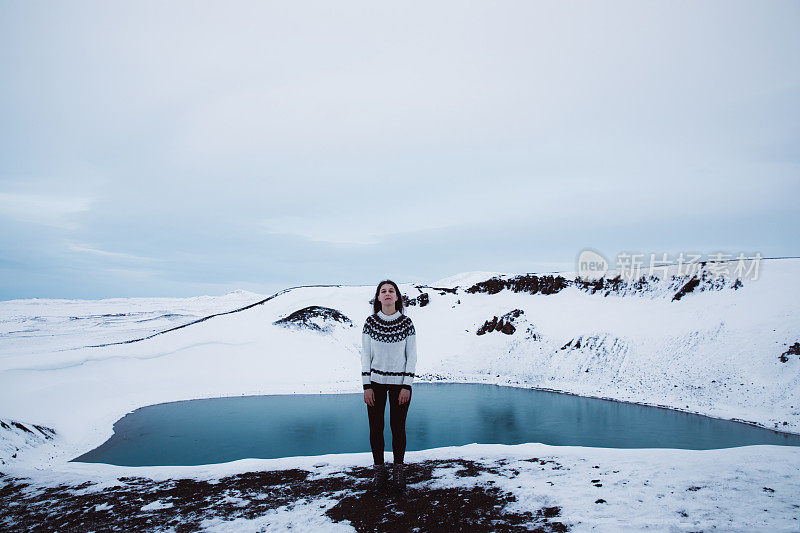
<point x="380" y="479"/>
<point x="399" y="477"/>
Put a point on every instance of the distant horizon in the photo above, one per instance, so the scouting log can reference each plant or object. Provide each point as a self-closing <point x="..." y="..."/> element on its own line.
<point x="234" y="291"/>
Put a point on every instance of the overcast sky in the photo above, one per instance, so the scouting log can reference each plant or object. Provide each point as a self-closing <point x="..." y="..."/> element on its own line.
<point x="190" y="148"/>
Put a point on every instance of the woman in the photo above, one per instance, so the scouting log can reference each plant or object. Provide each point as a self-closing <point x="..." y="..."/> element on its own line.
<point x="388" y="360"/>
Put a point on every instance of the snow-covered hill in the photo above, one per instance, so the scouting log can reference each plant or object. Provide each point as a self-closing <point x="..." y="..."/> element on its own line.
<point x="718" y="347"/>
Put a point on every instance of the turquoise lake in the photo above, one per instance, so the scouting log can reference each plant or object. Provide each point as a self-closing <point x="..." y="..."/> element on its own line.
<point x="217" y="430"/>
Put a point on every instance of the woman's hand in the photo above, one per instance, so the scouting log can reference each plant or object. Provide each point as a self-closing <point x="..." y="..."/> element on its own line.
<point x="369" y="397"/>
<point x="405" y="395"/>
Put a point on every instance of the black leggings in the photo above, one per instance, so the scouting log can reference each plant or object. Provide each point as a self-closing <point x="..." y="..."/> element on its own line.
<point x="397" y="421"/>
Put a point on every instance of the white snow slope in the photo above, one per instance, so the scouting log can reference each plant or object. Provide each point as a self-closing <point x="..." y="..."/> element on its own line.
<point x="715" y="351"/>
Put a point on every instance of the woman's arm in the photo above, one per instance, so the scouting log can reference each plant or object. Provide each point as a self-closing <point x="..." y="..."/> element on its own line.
<point x="366" y="358"/>
<point x="411" y="358"/>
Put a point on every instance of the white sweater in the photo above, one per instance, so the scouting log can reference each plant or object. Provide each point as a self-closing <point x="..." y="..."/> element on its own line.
<point x="388" y="350"/>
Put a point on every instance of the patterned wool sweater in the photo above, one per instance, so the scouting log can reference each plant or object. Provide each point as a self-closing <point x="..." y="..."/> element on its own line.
<point x="388" y="350"/>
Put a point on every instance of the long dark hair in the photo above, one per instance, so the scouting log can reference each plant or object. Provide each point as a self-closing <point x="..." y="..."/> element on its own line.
<point x="376" y="302"/>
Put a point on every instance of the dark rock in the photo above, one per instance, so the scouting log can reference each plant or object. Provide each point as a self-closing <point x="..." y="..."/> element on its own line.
<point x="794" y="349"/>
<point x="686" y="289"/>
<point x="422" y="300"/>
<point x="529" y="283"/>
<point x="311" y="317"/>
<point x="504" y="323"/>
<point x="20" y="426"/>
<point x="577" y="342"/>
<point x="46" y="431"/>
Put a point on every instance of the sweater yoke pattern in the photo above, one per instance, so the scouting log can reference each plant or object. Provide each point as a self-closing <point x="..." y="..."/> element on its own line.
<point x="388" y="331"/>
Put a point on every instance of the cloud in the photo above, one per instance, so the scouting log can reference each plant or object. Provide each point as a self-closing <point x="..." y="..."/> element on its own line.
<point x="350" y="230"/>
<point x="76" y="247"/>
<point x="264" y="141"/>
<point x="54" y="211"/>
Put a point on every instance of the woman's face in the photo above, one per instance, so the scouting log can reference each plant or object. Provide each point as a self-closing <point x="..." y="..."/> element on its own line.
<point x="387" y="295"/>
